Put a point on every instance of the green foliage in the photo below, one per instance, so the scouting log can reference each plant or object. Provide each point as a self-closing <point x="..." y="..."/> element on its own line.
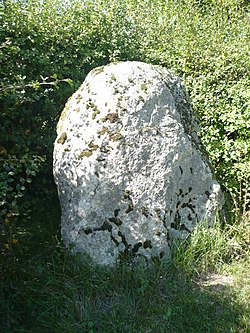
<point x="16" y="175"/>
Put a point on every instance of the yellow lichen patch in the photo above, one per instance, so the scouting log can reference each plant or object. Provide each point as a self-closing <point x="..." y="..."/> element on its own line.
<point x="78" y="98"/>
<point x="97" y="70"/>
<point x="93" y="146"/>
<point x="116" y="136"/>
<point x="62" y="138"/>
<point x="103" y="130"/>
<point x="85" y="153"/>
<point x="64" y="112"/>
<point x="112" y="117"/>
<point x="95" y="113"/>
<point x="63" y="117"/>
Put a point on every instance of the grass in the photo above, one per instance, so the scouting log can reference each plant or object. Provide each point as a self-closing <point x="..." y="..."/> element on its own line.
<point x="48" y="289"/>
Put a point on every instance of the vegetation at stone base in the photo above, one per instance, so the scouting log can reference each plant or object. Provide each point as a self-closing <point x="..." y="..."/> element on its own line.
<point x="46" y="50"/>
<point x="45" y="288"/>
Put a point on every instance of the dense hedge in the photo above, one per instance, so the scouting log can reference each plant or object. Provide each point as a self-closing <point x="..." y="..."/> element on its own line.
<point x="48" y="47"/>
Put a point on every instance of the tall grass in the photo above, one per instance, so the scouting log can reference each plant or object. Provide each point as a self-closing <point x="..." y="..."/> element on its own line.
<point x="207" y="249"/>
<point x="210" y="247"/>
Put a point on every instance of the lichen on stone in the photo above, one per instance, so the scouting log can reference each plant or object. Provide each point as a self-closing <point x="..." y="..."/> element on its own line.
<point x="85" y="153"/>
<point x="78" y="98"/>
<point x="112" y="78"/>
<point x="62" y="138"/>
<point x="103" y="131"/>
<point x="97" y="70"/>
<point x="144" y="87"/>
<point x="115" y="136"/>
<point x="95" y="113"/>
<point x="112" y="117"/>
<point x="93" y="146"/>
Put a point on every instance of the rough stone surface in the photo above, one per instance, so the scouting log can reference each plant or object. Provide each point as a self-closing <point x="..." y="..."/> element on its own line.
<point x="131" y="173"/>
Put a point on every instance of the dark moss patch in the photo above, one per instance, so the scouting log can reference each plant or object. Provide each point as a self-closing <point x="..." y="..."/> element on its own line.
<point x="112" y="117"/>
<point x="127" y="194"/>
<point x="136" y="247"/>
<point x="158" y="233"/>
<point x="106" y="149"/>
<point x="91" y="105"/>
<point x="147" y="244"/>
<point x="116" y="221"/>
<point x="158" y="212"/>
<point x="140" y="99"/>
<point x="161" y="254"/>
<point x="145" y="211"/>
<point x="78" y="98"/>
<point x="112" y="78"/>
<point x="88" y="231"/>
<point x="130" y="208"/>
<point x="104" y="226"/>
<point x="116" y="212"/>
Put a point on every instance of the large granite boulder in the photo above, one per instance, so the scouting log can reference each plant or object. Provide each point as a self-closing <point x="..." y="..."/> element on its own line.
<point x="131" y="173"/>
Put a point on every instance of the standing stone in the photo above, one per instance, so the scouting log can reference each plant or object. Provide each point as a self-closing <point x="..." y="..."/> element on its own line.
<point x="131" y="173"/>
